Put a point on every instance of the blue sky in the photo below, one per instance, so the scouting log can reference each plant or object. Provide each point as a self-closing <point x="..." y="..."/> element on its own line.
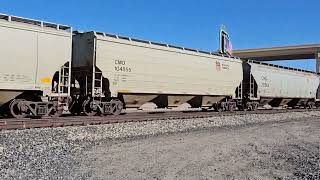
<point x="188" y="23"/>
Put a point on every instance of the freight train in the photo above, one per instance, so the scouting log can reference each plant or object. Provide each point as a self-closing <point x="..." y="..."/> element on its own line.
<point x="47" y="69"/>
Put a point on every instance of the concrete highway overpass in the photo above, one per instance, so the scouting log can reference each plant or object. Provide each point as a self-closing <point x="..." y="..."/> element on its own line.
<point x="300" y="52"/>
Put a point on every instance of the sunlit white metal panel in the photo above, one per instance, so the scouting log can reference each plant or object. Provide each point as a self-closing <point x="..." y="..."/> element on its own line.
<point x="134" y="67"/>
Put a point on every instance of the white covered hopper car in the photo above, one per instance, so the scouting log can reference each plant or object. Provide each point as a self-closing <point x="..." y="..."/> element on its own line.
<point x="35" y="58"/>
<point x="279" y="86"/>
<point x="134" y="72"/>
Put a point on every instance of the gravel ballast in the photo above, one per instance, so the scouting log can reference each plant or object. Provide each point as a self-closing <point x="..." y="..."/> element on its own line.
<point x="58" y="153"/>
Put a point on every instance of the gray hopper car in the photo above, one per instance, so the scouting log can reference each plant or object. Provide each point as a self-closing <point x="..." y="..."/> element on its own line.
<point x="267" y="84"/>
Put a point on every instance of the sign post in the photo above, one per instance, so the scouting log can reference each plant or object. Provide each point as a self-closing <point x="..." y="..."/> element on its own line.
<point x="317" y="55"/>
<point x="225" y="43"/>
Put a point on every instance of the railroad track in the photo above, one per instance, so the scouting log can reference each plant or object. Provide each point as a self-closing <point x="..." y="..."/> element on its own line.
<point x="15" y="124"/>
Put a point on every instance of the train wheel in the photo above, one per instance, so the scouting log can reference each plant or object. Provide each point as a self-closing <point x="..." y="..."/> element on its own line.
<point x="87" y="108"/>
<point x="116" y="107"/>
<point x="18" y="109"/>
<point x="310" y="105"/>
<point x="254" y="107"/>
<point x="231" y="108"/>
<point x="249" y="106"/>
<point x="217" y="107"/>
<point x="57" y="112"/>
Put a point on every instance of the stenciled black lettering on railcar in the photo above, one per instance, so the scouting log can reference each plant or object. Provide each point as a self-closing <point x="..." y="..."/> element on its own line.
<point x="225" y="66"/>
<point x="121" y="66"/>
<point x="18" y="78"/>
<point x="265" y="82"/>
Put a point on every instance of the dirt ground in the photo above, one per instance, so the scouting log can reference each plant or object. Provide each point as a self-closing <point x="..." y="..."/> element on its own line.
<point x="285" y="150"/>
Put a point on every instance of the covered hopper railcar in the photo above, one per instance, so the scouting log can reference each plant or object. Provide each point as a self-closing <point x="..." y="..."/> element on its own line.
<point x="115" y="72"/>
<point x="273" y="85"/>
<point x="46" y="68"/>
<point x="35" y="66"/>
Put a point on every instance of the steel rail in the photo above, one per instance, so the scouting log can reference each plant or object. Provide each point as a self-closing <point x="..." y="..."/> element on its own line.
<point x="19" y="124"/>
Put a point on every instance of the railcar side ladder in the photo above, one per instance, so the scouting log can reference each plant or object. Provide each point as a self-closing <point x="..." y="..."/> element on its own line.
<point x="64" y="79"/>
<point x="97" y="84"/>
<point x="252" y="87"/>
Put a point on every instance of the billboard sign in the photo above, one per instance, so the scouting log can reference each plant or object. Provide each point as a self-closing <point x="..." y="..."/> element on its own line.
<point x="225" y="43"/>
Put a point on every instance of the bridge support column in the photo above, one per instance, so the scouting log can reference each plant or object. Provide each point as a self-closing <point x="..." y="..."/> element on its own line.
<point x="318" y="62"/>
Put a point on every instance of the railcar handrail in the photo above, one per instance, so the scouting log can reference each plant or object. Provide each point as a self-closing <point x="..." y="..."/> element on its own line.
<point x="279" y="66"/>
<point x="43" y="24"/>
<point x="160" y="44"/>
